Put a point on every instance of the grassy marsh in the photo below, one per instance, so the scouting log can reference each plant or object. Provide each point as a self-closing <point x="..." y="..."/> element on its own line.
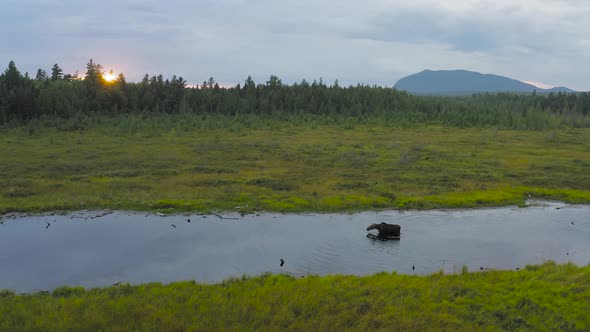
<point x="172" y="163"/>
<point x="549" y="297"/>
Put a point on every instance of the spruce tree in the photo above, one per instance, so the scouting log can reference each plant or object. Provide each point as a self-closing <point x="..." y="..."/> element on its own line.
<point x="12" y="77"/>
<point x="56" y="73"/>
<point x="41" y="75"/>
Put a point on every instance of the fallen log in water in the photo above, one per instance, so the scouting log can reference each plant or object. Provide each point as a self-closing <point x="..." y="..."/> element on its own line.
<point x="100" y="215"/>
<point x="222" y="217"/>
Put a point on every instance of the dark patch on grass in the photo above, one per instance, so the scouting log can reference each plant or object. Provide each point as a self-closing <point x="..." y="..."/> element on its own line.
<point x="60" y="171"/>
<point x="583" y="163"/>
<point x="390" y="196"/>
<point x="445" y="181"/>
<point x="4" y="293"/>
<point x="122" y="173"/>
<point x="165" y="172"/>
<point x="357" y="159"/>
<point x="512" y="175"/>
<point x="353" y="176"/>
<point x="352" y="185"/>
<point x="273" y="184"/>
<point x="580" y="182"/>
<point x="167" y="204"/>
<point x="79" y="178"/>
<point x="18" y="193"/>
<point x="212" y="183"/>
<point x="92" y="156"/>
<point x="212" y="170"/>
<point x="553" y="167"/>
<point x="248" y="157"/>
<point x="132" y="186"/>
<point x="66" y="292"/>
<point x="19" y="182"/>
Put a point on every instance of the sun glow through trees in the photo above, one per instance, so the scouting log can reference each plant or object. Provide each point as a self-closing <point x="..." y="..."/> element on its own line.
<point x="109" y="77"/>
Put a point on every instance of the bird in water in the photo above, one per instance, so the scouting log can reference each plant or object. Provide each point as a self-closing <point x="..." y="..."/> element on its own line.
<point x="188" y="221"/>
<point x="282" y="262"/>
<point x="413" y="267"/>
<point x="117" y="283"/>
<point x="573" y="223"/>
<point x="173" y="225"/>
<point x="48" y="224"/>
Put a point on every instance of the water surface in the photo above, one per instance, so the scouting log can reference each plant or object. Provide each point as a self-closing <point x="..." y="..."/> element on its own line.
<point x="137" y="248"/>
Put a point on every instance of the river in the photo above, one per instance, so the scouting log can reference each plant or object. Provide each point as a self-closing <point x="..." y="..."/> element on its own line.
<point x="83" y="248"/>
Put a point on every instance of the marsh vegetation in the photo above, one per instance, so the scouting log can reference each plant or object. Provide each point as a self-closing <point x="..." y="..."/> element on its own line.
<point x="537" y="298"/>
<point x="197" y="163"/>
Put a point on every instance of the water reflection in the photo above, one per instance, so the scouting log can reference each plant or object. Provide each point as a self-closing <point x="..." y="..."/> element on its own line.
<point x="80" y="250"/>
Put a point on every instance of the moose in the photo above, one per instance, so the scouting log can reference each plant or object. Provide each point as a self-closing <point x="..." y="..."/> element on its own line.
<point x="386" y="231"/>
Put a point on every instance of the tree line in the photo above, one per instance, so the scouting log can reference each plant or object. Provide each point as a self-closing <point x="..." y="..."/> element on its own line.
<point x="60" y="95"/>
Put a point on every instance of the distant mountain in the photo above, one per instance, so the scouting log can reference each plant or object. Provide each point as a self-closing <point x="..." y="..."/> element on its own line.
<point x="463" y="82"/>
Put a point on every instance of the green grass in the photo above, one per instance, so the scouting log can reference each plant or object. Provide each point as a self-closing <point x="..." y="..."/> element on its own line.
<point x="197" y="163"/>
<point x="549" y="297"/>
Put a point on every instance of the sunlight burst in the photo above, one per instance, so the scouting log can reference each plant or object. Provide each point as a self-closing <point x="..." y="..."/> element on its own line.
<point x="109" y="77"/>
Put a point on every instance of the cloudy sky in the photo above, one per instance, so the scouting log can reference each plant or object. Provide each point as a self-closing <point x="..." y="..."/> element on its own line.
<point x="370" y="41"/>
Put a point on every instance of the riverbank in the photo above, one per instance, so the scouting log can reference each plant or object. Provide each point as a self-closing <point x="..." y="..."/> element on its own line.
<point x="546" y="297"/>
<point x="282" y="167"/>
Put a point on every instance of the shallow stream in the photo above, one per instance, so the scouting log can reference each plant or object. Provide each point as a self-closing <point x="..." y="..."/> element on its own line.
<point x="41" y="252"/>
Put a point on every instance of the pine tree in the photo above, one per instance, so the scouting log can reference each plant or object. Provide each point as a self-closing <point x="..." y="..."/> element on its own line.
<point x="41" y="75"/>
<point x="94" y="83"/>
<point x="12" y="77"/>
<point x="249" y="84"/>
<point x="56" y="73"/>
<point x="120" y="81"/>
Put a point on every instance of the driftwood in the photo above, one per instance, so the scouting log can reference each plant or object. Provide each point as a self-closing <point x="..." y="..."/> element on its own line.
<point x="217" y="214"/>
<point x="100" y="215"/>
<point x="222" y="217"/>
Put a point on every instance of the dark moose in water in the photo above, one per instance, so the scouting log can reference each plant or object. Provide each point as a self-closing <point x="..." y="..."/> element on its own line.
<point x="100" y="248"/>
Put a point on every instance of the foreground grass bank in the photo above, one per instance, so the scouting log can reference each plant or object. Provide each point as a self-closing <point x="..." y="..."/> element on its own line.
<point x="200" y="163"/>
<point x="537" y="298"/>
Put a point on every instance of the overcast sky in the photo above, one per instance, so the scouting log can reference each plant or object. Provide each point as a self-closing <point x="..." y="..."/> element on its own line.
<point x="370" y="41"/>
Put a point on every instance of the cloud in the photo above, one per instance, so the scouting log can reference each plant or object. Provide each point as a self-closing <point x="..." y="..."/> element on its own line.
<point x="374" y="42"/>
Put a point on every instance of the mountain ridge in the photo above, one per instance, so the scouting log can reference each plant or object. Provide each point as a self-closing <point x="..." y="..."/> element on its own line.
<point x="463" y="82"/>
